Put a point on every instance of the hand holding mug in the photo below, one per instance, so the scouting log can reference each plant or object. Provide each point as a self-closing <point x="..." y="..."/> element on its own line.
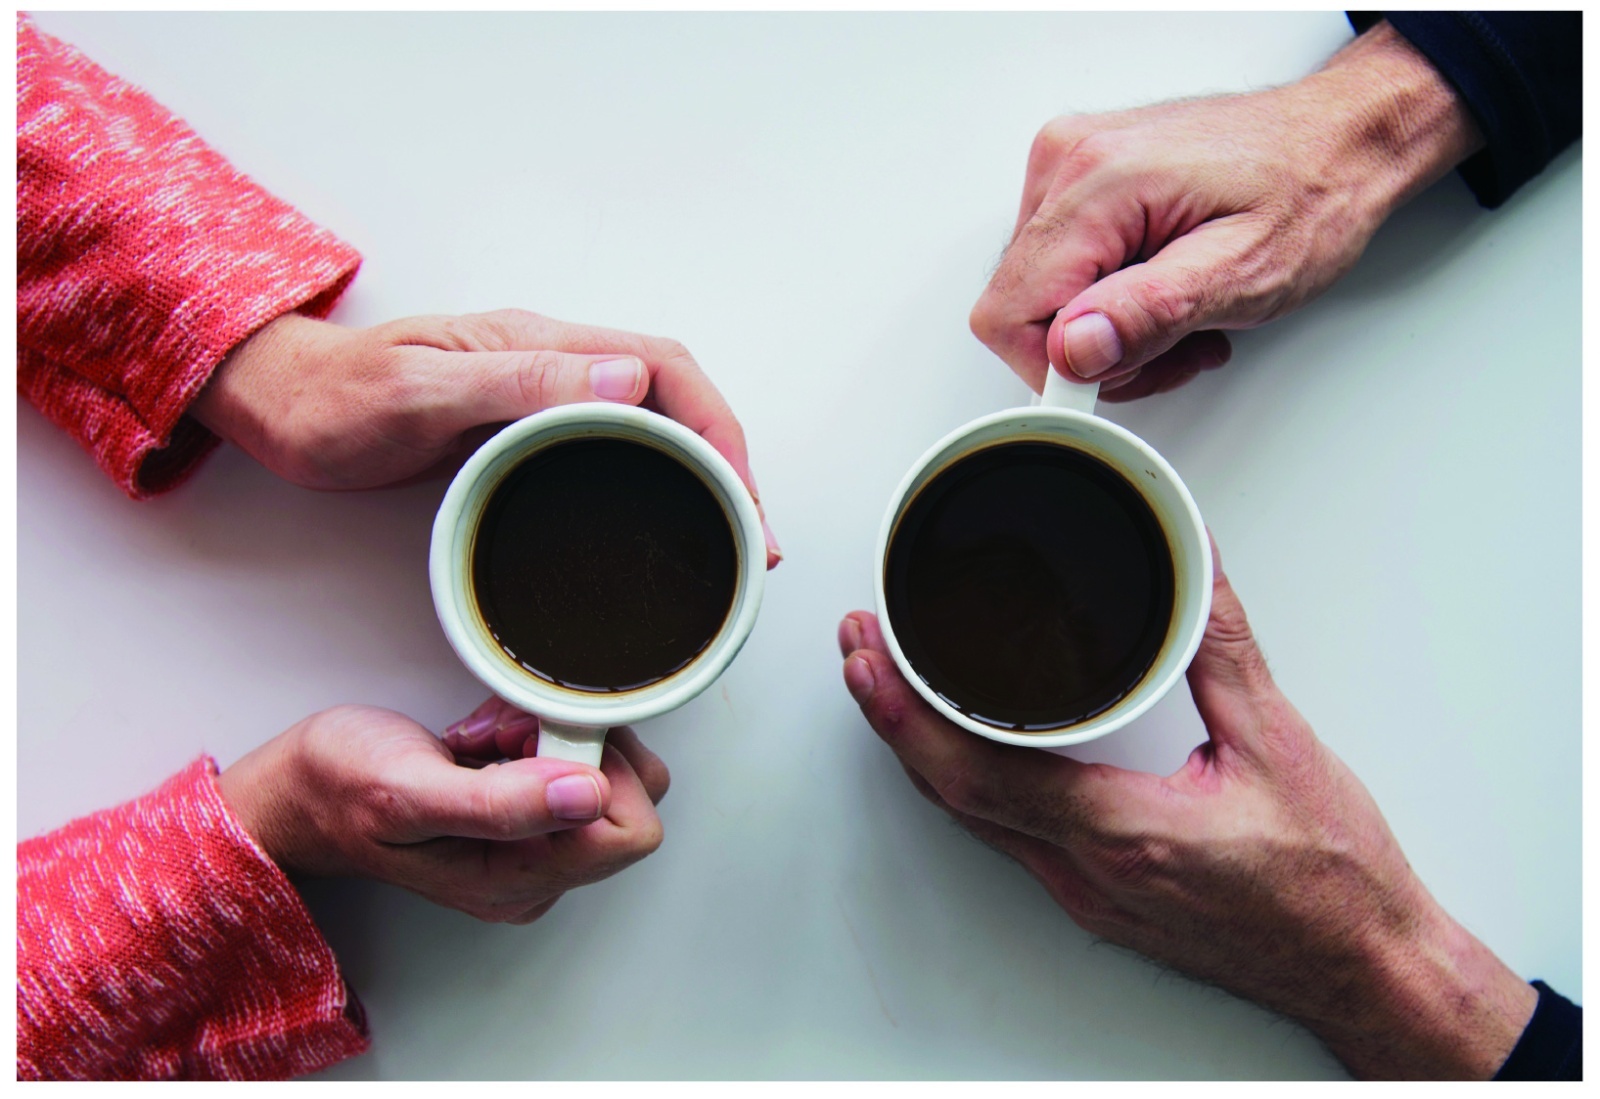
<point x="1143" y="234"/>
<point x="1263" y="865"/>
<point x="357" y="791"/>
<point x="597" y="565"/>
<point x="1043" y="574"/>
<point x="330" y="407"/>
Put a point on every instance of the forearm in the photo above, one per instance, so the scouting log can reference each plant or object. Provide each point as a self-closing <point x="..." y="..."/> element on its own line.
<point x="1401" y="128"/>
<point x="156" y="940"/>
<point x="1434" y="1003"/>
<point x="143" y="256"/>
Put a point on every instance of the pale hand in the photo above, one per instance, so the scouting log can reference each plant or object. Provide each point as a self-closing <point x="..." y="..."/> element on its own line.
<point x="356" y="791"/>
<point x="330" y="407"/>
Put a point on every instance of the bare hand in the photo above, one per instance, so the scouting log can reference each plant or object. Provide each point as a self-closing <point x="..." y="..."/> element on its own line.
<point x="1263" y="865"/>
<point x="331" y="407"/>
<point x="356" y="791"/>
<point x="1144" y="233"/>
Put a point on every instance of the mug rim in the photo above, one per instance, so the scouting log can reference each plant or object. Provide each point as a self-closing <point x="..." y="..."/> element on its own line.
<point x="450" y="548"/>
<point x="1147" y="692"/>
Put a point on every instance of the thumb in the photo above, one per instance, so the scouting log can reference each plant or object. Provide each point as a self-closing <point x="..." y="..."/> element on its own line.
<point x="508" y="385"/>
<point x="1232" y="687"/>
<point x="1128" y="318"/>
<point x="505" y="801"/>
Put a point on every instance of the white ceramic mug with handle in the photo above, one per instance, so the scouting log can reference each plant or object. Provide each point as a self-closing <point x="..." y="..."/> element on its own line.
<point x="1065" y="416"/>
<point x="573" y="723"/>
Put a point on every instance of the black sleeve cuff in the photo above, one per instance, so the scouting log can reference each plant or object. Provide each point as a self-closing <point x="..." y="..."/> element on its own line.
<point x="1521" y="76"/>
<point x="1551" y="1047"/>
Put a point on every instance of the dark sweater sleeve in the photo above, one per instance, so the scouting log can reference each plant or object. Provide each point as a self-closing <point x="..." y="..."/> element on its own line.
<point x="1519" y="73"/>
<point x="1551" y="1047"/>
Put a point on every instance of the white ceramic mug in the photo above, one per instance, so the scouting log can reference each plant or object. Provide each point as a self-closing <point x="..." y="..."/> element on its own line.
<point x="573" y="724"/>
<point x="1065" y="415"/>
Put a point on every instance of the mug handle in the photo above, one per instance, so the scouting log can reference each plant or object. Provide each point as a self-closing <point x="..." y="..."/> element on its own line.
<point x="576" y="743"/>
<point x="1061" y="393"/>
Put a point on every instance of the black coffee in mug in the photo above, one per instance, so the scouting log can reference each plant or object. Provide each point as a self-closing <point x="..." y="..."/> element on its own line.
<point x="603" y="564"/>
<point x="1030" y="585"/>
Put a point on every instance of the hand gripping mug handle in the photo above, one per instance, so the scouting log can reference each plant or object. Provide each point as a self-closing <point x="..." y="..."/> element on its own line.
<point x="575" y="743"/>
<point x="1061" y="393"/>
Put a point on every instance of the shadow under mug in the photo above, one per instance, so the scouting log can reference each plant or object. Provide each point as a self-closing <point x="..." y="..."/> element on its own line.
<point x="1064" y="415"/>
<point x="572" y="723"/>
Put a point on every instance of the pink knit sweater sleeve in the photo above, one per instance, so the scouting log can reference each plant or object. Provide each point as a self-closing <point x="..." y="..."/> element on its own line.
<point x="158" y="941"/>
<point x="143" y="257"/>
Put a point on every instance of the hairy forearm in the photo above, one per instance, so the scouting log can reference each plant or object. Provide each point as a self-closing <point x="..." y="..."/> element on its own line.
<point x="1403" y="125"/>
<point x="1437" y="1004"/>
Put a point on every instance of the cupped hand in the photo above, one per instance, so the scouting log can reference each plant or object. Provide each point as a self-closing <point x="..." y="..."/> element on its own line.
<point x="330" y="407"/>
<point x="1262" y="865"/>
<point x="1145" y="233"/>
<point x="357" y="791"/>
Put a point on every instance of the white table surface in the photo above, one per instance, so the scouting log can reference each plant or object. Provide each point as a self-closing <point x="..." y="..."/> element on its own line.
<point x="812" y="204"/>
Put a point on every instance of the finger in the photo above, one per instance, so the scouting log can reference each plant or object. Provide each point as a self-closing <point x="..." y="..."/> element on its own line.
<point x="534" y="913"/>
<point x="631" y="809"/>
<point x="1232" y="687"/>
<point x="646" y="764"/>
<point x="479" y="387"/>
<point x="504" y="801"/>
<point x="1047" y="796"/>
<point x="1134" y="314"/>
<point x="629" y="831"/>
<point x="1171" y="369"/>
<point x="495" y="730"/>
<point x="1053" y="867"/>
<point x="1055" y="257"/>
<point x="1051" y="159"/>
<point x="677" y="387"/>
<point x="681" y="390"/>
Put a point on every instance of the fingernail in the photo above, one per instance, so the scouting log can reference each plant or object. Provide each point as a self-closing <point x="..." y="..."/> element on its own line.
<point x="772" y="541"/>
<point x="520" y="723"/>
<point x="476" y="725"/>
<point x="858" y="679"/>
<point x="1091" y="345"/>
<point x="615" y="379"/>
<point x="576" y="797"/>
<point x="849" y="636"/>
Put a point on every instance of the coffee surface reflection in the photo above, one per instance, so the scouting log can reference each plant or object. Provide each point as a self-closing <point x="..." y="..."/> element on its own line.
<point x="602" y="564"/>
<point x="1030" y="585"/>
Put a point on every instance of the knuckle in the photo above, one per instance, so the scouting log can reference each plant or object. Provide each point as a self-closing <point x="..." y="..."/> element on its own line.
<point x="983" y="321"/>
<point x="674" y="349"/>
<point x="628" y="845"/>
<point x="386" y="805"/>
<point x="648" y="838"/>
<point x="1092" y="150"/>
<point x="1132" y="863"/>
<point x="536" y="379"/>
<point x="453" y="333"/>
<point x="502" y="326"/>
<point x="1166" y="303"/>
<point x="523" y="919"/>
<point x="492" y="808"/>
<point x="966" y="791"/>
<point x="886" y="713"/>
<point x="1055" y="137"/>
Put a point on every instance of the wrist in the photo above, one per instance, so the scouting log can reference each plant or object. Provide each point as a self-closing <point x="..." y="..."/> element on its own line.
<point x="254" y="789"/>
<point x="1435" y="1003"/>
<point x="239" y="400"/>
<point x="1400" y="125"/>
